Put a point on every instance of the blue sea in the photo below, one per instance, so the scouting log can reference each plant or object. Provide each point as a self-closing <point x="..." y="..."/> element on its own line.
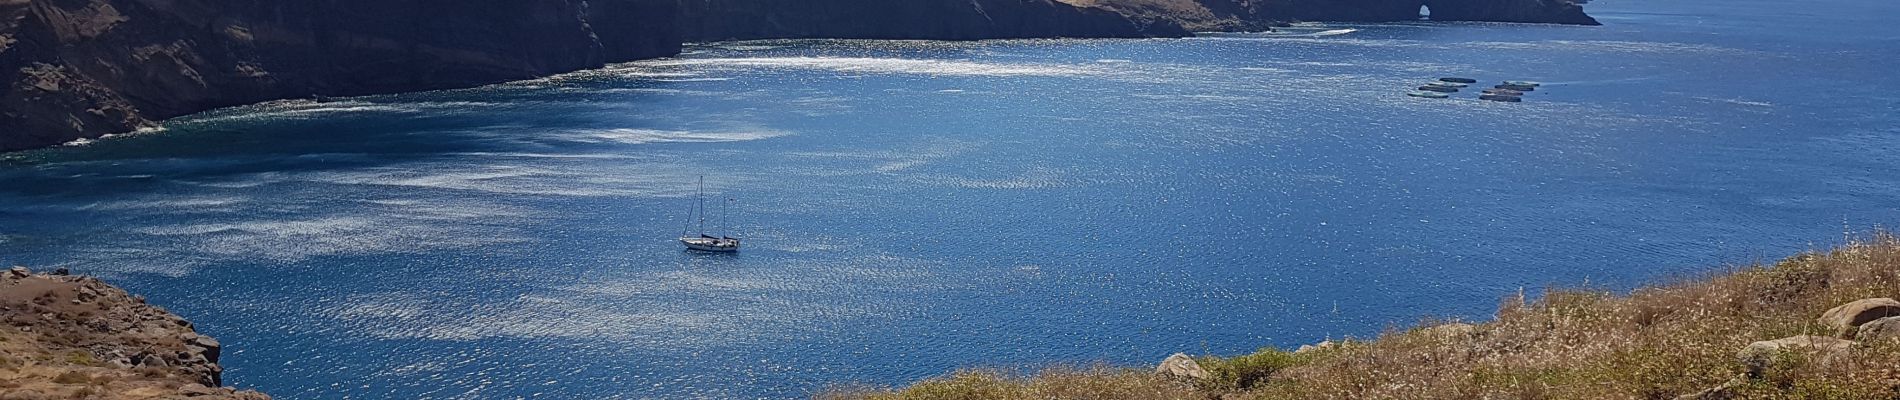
<point x="912" y="208"/>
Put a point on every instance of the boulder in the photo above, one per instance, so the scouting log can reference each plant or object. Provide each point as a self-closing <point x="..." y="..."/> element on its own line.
<point x="19" y="272"/>
<point x="1181" y="366"/>
<point x="1323" y="345"/>
<point x="197" y="390"/>
<point x="204" y="344"/>
<point x="1760" y="355"/>
<point x="1847" y="318"/>
<point x="1880" y="329"/>
<point x="153" y="360"/>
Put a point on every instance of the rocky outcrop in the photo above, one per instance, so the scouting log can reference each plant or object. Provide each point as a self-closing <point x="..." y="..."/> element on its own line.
<point x="1847" y="318"/>
<point x="714" y="20"/>
<point x="1759" y="356"/>
<point x="1879" y="330"/>
<point x="78" y="337"/>
<point x="1321" y="346"/>
<point x="82" y="68"/>
<point x="1180" y="366"/>
<point x="1533" y="11"/>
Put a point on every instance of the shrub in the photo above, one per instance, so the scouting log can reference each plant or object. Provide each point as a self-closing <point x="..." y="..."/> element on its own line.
<point x="72" y="377"/>
<point x="1243" y="372"/>
<point x="81" y="357"/>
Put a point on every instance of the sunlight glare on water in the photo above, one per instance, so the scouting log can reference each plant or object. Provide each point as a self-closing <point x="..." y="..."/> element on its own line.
<point x="911" y="208"/>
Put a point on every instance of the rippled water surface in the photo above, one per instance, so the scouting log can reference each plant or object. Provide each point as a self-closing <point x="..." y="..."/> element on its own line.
<point x="916" y="207"/>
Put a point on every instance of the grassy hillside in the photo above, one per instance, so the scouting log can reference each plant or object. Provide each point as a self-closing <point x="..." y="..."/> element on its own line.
<point x="1658" y="342"/>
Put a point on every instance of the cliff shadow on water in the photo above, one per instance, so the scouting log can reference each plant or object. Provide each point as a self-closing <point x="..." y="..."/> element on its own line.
<point x="83" y="68"/>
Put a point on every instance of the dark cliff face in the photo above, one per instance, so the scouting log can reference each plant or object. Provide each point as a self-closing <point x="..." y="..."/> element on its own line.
<point x="1533" y="11"/>
<point x="1530" y="11"/>
<point x="82" y="68"/>
<point x="714" y="20"/>
<point x="1246" y="15"/>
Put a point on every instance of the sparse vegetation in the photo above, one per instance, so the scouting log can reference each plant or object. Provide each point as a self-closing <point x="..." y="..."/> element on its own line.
<point x="72" y="378"/>
<point x="1657" y="342"/>
<point x="81" y="357"/>
<point x="1054" y="383"/>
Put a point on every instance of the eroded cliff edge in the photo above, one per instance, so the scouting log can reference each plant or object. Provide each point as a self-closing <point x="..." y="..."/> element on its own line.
<point x="715" y="20"/>
<point x="82" y="68"/>
<point x="78" y="337"/>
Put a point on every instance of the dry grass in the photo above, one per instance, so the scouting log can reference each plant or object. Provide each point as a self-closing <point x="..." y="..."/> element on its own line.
<point x="1655" y="343"/>
<point x="1054" y="383"/>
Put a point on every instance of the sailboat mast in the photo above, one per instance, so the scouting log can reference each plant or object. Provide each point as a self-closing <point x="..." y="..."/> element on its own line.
<point x="702" y="205"/>
<point x="725" y="219"/>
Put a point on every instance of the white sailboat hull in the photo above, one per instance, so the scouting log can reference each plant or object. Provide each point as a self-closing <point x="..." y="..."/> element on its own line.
<point x="716" y="245"/>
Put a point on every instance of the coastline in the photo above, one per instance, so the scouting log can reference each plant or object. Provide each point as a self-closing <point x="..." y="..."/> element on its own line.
<point x="79" y="337"/>
<point x="75" y="74"/>
<point x="1817" y="323"/>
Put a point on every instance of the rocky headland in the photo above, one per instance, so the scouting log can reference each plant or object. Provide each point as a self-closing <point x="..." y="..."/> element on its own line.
<point x="76" y="337"/>
<point x="72" y="69"/>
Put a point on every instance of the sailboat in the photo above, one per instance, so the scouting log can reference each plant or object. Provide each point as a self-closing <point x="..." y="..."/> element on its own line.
<point x="703" y="242"/>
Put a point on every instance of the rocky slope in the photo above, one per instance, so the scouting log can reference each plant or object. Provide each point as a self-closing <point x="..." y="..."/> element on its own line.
<point x="82" y="68"/>
<point x="1819" y="325"/>
<point x="1254" y="15"/>
<point x="713" y="20"/>
<point x="70" y="337"/>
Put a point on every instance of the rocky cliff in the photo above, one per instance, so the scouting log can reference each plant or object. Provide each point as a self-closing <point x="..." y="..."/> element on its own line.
<point x="71" y="337"/>
<point x="1531" y="11"/>
<point x="713" y="20"/>
<point x="82" y="68"/>
<point x="73" y="69"/>
<point x="1253" y="15"/>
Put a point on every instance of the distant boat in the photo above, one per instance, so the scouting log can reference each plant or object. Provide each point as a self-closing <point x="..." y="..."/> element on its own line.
<point x="703" y="242"/>
<point x="1499" y="97"/>
<point x="1520" y="88"/>
<point x="1506" y="92"/>
<point x="1446" y="84"/>
<point x="1428" y="95"/>
<point x="1440" y="89"/>
<point x="1524" y="83"/>
<point x="1458" y="80"/>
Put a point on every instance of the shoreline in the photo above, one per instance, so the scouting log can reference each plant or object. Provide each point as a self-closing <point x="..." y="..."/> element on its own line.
<point x="1818" y="322"/>
<point x="73" y="78"/>
<point x="69" y="336"/>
